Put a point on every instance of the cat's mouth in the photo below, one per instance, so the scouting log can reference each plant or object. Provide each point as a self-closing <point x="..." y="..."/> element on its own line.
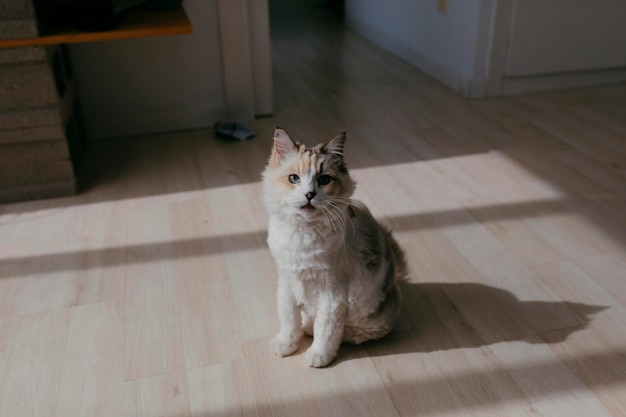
<point x="308" y="206"/>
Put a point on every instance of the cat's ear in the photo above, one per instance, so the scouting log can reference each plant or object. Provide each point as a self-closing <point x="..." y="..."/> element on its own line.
<point x="336" y="145"/>
<point x="283" y="145"/>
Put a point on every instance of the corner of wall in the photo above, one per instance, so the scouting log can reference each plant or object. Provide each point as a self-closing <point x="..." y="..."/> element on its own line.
<point x="445" y="75"/>
<point x="474" y="88"/>
<point x="468" y="86"/>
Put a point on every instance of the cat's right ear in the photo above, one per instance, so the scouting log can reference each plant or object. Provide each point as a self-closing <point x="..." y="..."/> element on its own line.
<point x="283" y="145"/>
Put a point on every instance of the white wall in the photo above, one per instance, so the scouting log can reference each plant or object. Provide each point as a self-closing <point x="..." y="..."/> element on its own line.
<point x="152" y="85"/>
<point x="452" y="47"/>
<point x="488" y="48"/>
<point x="261" y="56"/>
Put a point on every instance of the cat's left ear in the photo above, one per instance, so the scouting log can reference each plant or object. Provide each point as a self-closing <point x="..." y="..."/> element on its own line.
<point x="336" y="145"/>
<point x="283" y="144"/>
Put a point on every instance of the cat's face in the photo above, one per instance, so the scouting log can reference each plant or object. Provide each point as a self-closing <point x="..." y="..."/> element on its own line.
<point x="306" y="182"/>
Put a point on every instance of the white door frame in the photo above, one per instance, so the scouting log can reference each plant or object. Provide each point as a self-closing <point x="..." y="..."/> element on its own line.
<point x="246" y="58"/>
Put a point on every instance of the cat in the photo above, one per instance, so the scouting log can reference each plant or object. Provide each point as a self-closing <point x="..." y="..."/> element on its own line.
<point x="338" y="268"/>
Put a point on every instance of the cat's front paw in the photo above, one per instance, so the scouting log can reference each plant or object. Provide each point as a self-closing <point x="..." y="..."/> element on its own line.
<point x="282" y="347"/>
<point x="317" y="359"/>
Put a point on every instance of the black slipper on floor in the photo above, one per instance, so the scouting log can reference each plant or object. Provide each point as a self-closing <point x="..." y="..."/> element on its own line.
<point x="233" y="131"/>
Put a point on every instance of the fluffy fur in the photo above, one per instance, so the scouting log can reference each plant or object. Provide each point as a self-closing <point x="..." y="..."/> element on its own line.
<point x="338" y="269"/>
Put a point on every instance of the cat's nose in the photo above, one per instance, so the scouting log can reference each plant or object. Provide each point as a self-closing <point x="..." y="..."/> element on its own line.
<point x="310" y="195"/>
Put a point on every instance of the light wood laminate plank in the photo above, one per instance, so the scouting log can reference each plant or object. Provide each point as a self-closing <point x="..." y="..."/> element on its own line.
<point x="152" y="332"/>
<point x="223" y="390"/>
<point x="165" y="395"/>
<point x="205" y="311"/>
<point x="351" y="387"/>
<point x="597" y="357"/>
<point x="152" y="293"/>
<point x="34" y="362"/>
<point x="540" y="373"/>
<point x="91" y="379"/>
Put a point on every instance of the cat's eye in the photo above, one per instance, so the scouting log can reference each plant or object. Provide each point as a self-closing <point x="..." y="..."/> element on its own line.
<point x="294" y="179"/>
<point x="324" y="179"/>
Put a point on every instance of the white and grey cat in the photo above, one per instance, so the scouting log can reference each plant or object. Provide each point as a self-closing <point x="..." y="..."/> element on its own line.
<point x="338" y="268"/>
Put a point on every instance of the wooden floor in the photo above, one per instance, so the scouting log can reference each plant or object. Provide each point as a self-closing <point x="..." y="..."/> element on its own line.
<point x="152" y="293"/>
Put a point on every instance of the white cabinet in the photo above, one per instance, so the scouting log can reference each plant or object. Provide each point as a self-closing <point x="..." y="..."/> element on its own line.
<point x="559" y="36"/>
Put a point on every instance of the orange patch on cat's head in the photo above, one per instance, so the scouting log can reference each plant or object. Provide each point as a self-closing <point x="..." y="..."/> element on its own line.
<point x="290" y="157"/>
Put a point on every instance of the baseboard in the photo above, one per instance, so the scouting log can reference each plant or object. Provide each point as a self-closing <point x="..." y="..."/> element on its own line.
<point x="519" y="85"/>
<point x="158" y="121"/>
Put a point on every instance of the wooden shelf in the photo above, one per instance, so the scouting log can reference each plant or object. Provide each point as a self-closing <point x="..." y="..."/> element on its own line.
<point x="137" y="24"/>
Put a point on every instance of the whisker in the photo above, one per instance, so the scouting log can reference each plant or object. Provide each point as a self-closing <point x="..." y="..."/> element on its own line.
<point x="333" y="215"/>
<point x="337" y="218"/>
<point x="329" y="218"/>
<point x="336" y="214"/>
<point x="344" y="216"/>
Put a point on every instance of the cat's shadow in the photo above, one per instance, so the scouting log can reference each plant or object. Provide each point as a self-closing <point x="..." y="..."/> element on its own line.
<point x="444" y="316"/>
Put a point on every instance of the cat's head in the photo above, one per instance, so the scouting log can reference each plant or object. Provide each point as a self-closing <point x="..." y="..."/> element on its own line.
<point x="307" y="183"/>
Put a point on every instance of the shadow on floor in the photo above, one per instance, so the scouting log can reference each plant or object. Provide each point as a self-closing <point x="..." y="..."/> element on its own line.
<point x="111" y="256"/>
<point x="444" y="316"/>
<point x="450" y="316"/>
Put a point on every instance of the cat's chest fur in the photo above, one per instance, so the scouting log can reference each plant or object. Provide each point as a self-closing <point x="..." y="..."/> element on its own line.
<point x="307" y="250"/>
<point x="312" y="258"/>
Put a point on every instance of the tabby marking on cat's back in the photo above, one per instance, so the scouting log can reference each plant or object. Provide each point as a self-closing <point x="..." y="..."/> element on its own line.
<point x="338" y="268"/>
